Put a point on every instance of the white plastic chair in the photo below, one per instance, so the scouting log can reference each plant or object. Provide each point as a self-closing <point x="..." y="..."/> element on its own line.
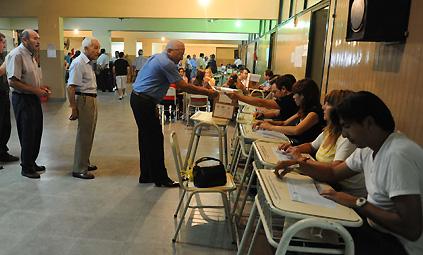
<point x="188" y="187"/>
<point x="197" y="102"/>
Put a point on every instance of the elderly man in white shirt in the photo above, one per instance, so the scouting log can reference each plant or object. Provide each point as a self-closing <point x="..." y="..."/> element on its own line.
<point x="82" y="91"/>
<point x="24" y="77"/>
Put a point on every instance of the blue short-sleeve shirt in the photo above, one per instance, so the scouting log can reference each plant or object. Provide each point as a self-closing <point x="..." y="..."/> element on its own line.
<point x="155" y="77"/>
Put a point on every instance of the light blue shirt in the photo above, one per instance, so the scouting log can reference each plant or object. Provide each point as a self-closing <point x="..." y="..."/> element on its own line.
<point x="81" y="74"/>
<point x="155" y="77"/>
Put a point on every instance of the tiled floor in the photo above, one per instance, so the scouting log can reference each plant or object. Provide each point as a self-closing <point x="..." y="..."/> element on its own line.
<point x="111" y="214"/>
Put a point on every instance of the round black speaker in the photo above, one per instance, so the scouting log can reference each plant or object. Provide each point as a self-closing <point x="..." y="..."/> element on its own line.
<point x="358" y="10"/>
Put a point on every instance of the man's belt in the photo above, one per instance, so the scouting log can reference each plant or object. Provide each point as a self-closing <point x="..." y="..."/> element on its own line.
<point x="86" y="94"/>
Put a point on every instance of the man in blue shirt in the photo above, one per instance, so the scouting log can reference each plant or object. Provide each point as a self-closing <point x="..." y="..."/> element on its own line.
<point x="149" y="88"/>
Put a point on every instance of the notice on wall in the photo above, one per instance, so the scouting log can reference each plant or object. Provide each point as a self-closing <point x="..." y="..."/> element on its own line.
<point x="51" y="51"/>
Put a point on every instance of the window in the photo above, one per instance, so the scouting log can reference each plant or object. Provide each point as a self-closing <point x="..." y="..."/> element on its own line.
<point x="117" y="46"/>
<point x="138" y="47"/>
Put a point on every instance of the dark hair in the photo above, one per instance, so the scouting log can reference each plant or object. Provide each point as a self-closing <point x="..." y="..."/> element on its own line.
<point x="121" y="54"/>
<point x="2" y="36"/>
<point x="268" y="72"/>
<point x="334" y="98"/>
<point x="201" y="55"/>
<point x="362" y="104"/>
<point x="188" y="56"/>
<point x="103" y="51"/>
<point x="309" y="89"/>
<point x="199" y="78"/>
<point x="181" y="68"/>
<point x="286" y="80"/>
<point x="243" y="68"/>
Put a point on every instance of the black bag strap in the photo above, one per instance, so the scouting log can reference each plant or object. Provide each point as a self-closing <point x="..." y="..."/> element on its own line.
<point x="206" y="159"/>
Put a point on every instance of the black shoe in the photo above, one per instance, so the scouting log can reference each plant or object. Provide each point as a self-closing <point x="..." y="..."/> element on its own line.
<point x="169" y="183"/>
<point x="39" y="169"/>
<point x="30" y="174"/>
<point x="1" y="167"/>
<point x="83" y="175"/>
<point x="92" y="167"/>
<point x="141" y="180"/>
<point x="6" y="157"/>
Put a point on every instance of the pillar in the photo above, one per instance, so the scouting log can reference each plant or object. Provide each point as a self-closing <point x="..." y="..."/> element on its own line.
<point x="51" y="33"/>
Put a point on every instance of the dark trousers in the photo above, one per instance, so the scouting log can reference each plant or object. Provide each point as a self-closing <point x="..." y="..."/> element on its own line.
<point x="150" y="139"/>
<point x="368" y="240"/>
<point x="5" y="125"/>
<point x="29" y="122"/>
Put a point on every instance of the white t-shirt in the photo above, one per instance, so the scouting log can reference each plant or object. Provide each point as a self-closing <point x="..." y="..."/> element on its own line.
<point x="396" y="170"/>
<point x="342" y="150"/>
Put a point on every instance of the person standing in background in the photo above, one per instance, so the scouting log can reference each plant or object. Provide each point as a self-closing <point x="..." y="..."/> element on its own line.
<point x="121" y="71"/>
<point x="82" y="83"/>
<point x="25" y="78"/>
<point x="138" y="63"/>
<point x="5" y="125"/>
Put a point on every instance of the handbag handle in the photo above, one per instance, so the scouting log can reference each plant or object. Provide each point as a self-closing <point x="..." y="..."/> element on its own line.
<point x="205" y="159"/>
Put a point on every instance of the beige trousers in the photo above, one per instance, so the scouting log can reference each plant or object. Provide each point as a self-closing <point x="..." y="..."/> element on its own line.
<point x="87" y="120"/>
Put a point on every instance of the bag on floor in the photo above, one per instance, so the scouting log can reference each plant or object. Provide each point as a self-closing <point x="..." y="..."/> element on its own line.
<point x="212" y="175"/>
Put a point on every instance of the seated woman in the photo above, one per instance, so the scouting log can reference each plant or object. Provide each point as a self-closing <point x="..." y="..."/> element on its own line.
<point x="330" y="149"/>
<point x="208" y="77"/>
<point x="308" y="122"/>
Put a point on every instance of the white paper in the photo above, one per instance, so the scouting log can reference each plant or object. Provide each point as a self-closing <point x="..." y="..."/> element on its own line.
<point x="51" y="51"/>
<point x="282" y="155"/>
<point x="306" y="192"/>
<point x="224" y="99"/>
<point x="254" y="77"/>
<point x="271" y="134"/>
<point x="224" y="89"/>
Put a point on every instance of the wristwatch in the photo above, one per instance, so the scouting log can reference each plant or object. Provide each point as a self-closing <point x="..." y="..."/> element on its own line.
<point x="360" y="202"/>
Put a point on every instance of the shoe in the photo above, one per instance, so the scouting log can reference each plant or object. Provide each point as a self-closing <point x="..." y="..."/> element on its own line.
<point x="6" y="157"/>
<point x="1" y="167"/>
<point x="145" y="180"/>
<point x="169" y="183"/>
<point x="83" y="175"/>
<point x="120" y="98"/>
<point x="30" y="174"/>
<point x="92" y="167"/>
<point x="39" y="169"/>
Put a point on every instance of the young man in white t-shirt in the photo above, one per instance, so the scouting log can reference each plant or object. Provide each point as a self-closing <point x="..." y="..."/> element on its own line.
<point x="393" y="170"/>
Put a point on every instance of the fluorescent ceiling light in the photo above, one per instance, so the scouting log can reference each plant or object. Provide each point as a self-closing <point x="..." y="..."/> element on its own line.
<point x="204" y="3"/>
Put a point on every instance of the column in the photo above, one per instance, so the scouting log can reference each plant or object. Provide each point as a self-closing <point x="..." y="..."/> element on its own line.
<point x="130" y="46"/>
<point x="51" y="34"/>
<point x="104" y="37"/>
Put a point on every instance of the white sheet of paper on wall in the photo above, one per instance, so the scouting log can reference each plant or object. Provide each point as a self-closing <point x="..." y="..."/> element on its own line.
<point x="51" y="51"/>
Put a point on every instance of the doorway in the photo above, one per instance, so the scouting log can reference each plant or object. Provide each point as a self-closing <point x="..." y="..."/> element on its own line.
<point x="317" y="45"/>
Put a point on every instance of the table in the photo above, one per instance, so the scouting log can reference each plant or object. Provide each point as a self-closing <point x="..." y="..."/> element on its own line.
<point x="273" y="199"/>
<point x="206" y="119"/>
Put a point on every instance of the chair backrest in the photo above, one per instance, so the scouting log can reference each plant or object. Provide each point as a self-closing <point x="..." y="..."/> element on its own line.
<point x="257" y="93"/>
<point x="177" y="157"/>
<point x="171" y="94"/>
<point x="197" y="100"/>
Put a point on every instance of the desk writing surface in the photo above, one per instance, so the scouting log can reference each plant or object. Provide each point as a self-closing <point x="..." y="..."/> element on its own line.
<point x="266" y="151"/>
<point x="244" y="118"/>
<point x="246" y="130"/>
<point x="207" y="117"/>
<point x="277" y="195"/>
<point x="247" y="108"/>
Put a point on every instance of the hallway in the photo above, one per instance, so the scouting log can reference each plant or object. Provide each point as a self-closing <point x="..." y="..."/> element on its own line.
<point x="111" y="214"/>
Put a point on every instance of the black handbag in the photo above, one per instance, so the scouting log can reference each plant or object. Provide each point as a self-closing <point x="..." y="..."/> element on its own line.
<point x="209" y="176"/>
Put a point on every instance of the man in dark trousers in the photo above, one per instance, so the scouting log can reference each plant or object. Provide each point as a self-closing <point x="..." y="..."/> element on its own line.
<point x="25" y="78"/>
<point x="5" y="125"/>
<point x="149" y="88"/>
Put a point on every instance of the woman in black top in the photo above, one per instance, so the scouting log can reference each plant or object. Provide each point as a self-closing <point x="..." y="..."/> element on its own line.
<point x="308" y="122"/>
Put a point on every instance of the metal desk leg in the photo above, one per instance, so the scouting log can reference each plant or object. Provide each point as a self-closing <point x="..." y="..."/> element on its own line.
<point x="241" y="210"/>
<point x="244" y="176"/>
<point x="247" y="230"/>
<point x="225" y="145"/>
<point x="253" y="240"/>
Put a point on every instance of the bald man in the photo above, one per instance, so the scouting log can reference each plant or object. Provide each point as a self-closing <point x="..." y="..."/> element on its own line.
<point x="149" y="88"/>
<point x="82" y="85"/>
<point x="24" y="77"/>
